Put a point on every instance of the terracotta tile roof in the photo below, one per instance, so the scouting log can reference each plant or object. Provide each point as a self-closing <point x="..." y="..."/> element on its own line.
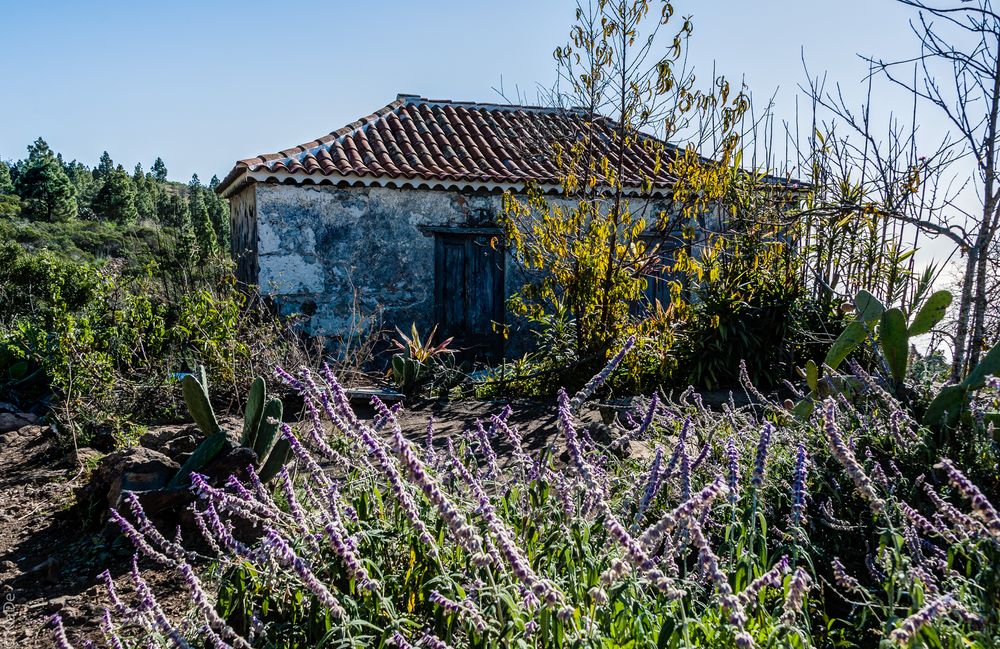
<point x="430" y="143"/>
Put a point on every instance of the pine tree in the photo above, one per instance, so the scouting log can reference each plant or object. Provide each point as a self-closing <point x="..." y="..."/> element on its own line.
<point x="116" y="200"/>
<point x="6" y="183"/>
<point x="145" y="203"/>
<point x="180" y="216"/>
<point x="159" y="170"/>
<point x="10" y="204"/>
<point x="105" y="166"/>
<point x="208" y="243"/>
<point x="46" y="191"/>
<point x="86" y="187"/>
<point x="218" y="211"/>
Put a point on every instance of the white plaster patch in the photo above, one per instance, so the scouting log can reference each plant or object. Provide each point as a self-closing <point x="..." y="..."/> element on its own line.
<point x="268" y="241"/>
<point x="290" y="274"/>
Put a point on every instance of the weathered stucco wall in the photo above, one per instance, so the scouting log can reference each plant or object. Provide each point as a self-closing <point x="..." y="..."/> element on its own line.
<point x="343" y="255"/>
<point x="340" y="254"/>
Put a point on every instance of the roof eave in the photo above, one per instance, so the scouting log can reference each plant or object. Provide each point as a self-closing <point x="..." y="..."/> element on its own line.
<point x="418" y="183"/>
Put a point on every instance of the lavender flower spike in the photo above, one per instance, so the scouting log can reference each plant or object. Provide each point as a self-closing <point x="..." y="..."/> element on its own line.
<point x="846" y="457"/>
<point x="797" y="590"/>
<point x="280" y="549"/>
<point x="843" y="579"/>
<point x="770" y="579"/>
<point x="908" y="628"/>
<point x="760" y="464"/>
<point x="588" y="390"/>
<point x="733" y="462"/>
<point x="652" y="485"/>
<point x="799" y="487"/>
<point x="61" y="640"/>
<point x="981" y="506"/>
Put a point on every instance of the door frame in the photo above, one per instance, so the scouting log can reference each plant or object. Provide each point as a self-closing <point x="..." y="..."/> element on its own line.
<point x="499" y="308"/>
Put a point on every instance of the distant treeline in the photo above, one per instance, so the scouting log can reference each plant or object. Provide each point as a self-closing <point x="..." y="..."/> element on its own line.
<point x="45" y="188"/>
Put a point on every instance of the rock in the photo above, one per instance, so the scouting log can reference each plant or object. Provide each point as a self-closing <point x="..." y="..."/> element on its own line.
<point x="57" y="604"/>
<point x="10" y="421"/>
<point x="172" y="440"/>
<point x="132" y="469"/>
<point x="231" y="461"/>
<point x="87" y="456"/>
<point x="167" y="499"/>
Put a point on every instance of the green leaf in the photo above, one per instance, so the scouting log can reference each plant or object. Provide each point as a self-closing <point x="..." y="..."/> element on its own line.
<point x="275" y="460"/>
<point x="946" y="406"/>
<point x="930" y="313"/>
<point x="988" y="366"/>
<point x="847" y="342"/>
<point x="270" y="421"/>
<point x="812" y="375"/>
<point x="254" y="411"/>
<point x="869" y="307"/>
<point x="895" y="342"/>
<point x="803" y="409"/>
<point x="201" y="456"/>
<point x="196" y="398"/>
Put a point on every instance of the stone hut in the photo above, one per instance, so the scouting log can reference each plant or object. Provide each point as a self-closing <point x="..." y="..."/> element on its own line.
<point x="396" y="214"/>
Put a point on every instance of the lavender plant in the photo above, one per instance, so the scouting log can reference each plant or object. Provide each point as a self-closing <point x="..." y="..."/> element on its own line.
<point x="386" y="542"/>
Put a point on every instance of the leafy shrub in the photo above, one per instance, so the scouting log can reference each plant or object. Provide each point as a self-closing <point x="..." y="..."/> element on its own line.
<point x="108" y="342"/>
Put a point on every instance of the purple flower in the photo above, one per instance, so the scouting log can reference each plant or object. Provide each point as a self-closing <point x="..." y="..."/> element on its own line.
<point x="428" y="639"/>
<point x="652" y="485"/>
<point x="981" y="506"/>
<point x="465" y="609"/>
<point x="795" y="598"/>
<point x="685" y="511"/>
<point x="685" y="476"/>
<point x="636" y="554"/>
<point x="464" y="534"/>
<point x="773" y="578"/>
<point x="522" y="570"/>
<point x="908" y="628"/>
<point x="201" y="600"/>
<point x="736" y="615"/>
<point x="846" y="457"/>
<point x="108" y="629"/>
<point x="843" y="579"/>
<point x="283" y="553"/>
<point x="486" y="449"/>
<point x="139" y="540"/>
<point x="62" y="642"/>
<point x="588" y="390"/>
<point x="760" y="463"/>
<point x="640" y="430"/>
<point x="799" y="487"/>
<point x="573" y="444"/>
<point x="148" y="604"/>
<point x="733" y="461"/>
<point x="430" y="455"/>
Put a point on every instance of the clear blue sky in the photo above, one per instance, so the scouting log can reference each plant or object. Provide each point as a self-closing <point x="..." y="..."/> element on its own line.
<point x="203" y="84"/>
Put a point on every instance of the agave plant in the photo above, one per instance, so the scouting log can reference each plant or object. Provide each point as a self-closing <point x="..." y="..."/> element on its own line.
<point x="412" y="365"/>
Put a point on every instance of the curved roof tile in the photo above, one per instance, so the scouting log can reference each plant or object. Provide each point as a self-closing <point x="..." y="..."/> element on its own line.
<point x="424" y="141"/>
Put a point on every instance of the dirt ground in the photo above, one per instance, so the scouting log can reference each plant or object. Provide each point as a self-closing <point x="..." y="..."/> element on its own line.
<point x="52" y="548"/>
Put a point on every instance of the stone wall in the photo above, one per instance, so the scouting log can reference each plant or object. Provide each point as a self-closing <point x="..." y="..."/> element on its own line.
<point x="345" y="255"/>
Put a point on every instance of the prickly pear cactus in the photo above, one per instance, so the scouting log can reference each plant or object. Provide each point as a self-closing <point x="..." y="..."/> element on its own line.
<point x="196" y="398"/>
<point x="253" y="412"/>
<point x="205" y="453"/>
<point x="279" y="455"/>
<point x="269" y="423"/>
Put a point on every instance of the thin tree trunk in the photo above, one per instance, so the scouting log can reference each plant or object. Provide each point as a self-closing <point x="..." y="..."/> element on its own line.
<point x="964" y="309"/>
